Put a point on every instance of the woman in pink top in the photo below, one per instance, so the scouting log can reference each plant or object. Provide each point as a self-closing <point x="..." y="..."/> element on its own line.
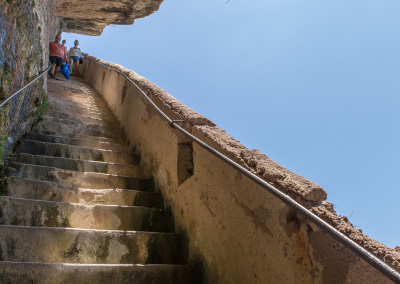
<point x="57" y="56"/>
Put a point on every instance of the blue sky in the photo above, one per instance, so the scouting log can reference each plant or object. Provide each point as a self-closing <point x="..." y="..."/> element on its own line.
<point x="312" y="84"/>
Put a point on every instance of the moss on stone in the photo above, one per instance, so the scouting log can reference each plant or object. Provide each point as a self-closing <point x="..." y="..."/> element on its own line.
<point x="3" y="134"/>
<point x="6" y="81"/>
<point x="40" y="110"/>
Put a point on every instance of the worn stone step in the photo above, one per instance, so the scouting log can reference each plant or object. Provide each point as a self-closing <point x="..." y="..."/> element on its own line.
<point x="60" y="127"/>
<point x="82" y="137"/>
<point x="39" y="213"/>
<point x="45" y="190"/>
<point x="77" y="142"/>
<point x="83" y="120"/>
<point x="76" y="90"/>
<point x="82" y="102"/>
<point x="79" y="165"/>
<point x="73" y="110"/>
<point x="70" y="245"/>
<point x="75" y="152"/>
<point x="85" y="105"/>
<point x="63" y="273"/>
<point x="78" y="124"/>
<point x="76" y="179"/>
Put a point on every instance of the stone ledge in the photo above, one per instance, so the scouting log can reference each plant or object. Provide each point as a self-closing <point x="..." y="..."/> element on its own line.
<point x="92" y="16"/>
<point x="388" y="255"/>
<point x="261" y="165"/>
<point x="165" y="99"/>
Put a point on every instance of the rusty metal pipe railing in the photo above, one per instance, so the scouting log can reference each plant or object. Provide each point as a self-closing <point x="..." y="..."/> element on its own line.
<point x="24" y="87"/>
<point x="343" y="239"/>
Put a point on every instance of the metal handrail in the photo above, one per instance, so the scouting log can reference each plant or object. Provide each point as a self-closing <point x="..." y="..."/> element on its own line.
<point x="24" y="87"/>
<point x="345" y="240"/>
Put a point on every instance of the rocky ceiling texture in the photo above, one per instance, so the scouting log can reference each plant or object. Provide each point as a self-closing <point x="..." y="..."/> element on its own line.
<point x="90" y="17"/>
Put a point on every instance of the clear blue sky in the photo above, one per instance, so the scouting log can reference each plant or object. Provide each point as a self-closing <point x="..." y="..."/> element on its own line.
<point x="313" y="84"/>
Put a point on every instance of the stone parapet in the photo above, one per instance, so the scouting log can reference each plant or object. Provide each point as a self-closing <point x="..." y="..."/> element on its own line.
<point x="236" y="230"/>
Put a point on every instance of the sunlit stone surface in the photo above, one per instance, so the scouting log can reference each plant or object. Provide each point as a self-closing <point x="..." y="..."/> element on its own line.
<point x="92" y="16"/>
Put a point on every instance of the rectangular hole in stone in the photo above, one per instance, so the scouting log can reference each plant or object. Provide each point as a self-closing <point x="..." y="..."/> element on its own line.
<point x="185" y="161"/>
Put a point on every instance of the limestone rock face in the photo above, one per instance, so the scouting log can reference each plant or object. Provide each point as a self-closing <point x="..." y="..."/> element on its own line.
<point x="90" y="17"/>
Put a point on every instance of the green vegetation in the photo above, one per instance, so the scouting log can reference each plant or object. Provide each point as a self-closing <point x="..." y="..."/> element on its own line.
<point x="41" y="108"/>
<point x="3" y="134"/>
<point x="3" y="137"/>
<point x="6" y="81"/>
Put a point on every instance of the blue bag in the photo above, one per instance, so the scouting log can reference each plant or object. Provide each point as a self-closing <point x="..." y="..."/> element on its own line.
<point x="65" y="70"/>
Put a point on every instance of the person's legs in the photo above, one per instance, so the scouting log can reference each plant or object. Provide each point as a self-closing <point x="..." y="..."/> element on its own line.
<point x="57" y="72"/>
<point x="59" y="64"/>
<point x="76" y="63"/>
<point x="53" y="60"/>
<point x="51" y="72"/>
<point x="71" y="61"/>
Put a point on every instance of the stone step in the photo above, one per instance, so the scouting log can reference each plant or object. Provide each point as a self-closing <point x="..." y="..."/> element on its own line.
<point x="50" y="191"/>
<point x="76" y="89"/>
<point x="39" y="213"/>
<point x="77" y="179"/>
<point x="77" y="142"/>
<point x="81" y="137"/>
<point x="81" y="102"/>
<point x="60" y="127"/>
<point x="50" y="273"/>
<point x="85" y="105"/>
<point x="77" y="124"/>
<point x="75" y="152"/>
<point x="84" y="120"/>
<point x="79" y="165"/>
<point x="70" y="245"/>
<point x="73" y="110"/>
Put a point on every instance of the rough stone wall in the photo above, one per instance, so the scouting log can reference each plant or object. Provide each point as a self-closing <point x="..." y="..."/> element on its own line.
<point x="25" y="27"/>
<point x="236" y="231"/>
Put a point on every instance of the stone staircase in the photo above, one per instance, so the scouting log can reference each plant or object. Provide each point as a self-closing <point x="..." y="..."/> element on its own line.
<point x="77" y="208"/>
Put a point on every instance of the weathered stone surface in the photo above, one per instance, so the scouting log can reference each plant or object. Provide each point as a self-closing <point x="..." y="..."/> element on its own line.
<point x="37" y="244"/>
<point x="92" y="16"/>
<point x="76" y="179"/>
<point x="104" y="145"/>
<point x="81" y="137"/>
<point x="326" y="211"/>
<point x="222" y="212"/>
<point x="38" y="213"/>
<point x="50" y="273"/>
<point x="75" y="152"/>
<point x="61" y="208"/>
<point x="22" y="38"/>
<point x="262" y="165"/>
<point x="163" y="100"/>
<point x="45" y="190"/>
<point x="80" y="165"/>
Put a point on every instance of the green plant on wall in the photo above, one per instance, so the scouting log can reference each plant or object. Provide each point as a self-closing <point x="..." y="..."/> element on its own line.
<point x="6" y="81"/>
<point x="3" y="134"/>
<point x="3" y="137"/>
<point x="41" y="108"/>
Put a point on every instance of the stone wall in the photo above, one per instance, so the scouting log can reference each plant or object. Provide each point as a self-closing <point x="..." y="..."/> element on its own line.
<point x="25" y="29"/>
<point x="236" y="231"/>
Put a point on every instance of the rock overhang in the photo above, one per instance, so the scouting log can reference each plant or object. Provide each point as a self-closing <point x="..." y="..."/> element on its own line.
<point x="90" y="17"/>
